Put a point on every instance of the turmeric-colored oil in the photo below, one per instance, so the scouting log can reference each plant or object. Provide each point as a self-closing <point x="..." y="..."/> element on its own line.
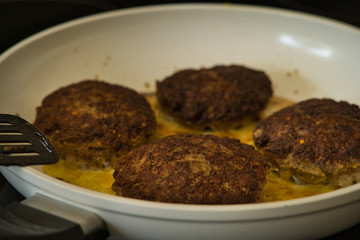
<point x="101" y="179"/>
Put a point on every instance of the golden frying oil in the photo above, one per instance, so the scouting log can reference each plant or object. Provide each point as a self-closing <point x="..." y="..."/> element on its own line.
<point x="101" y="179"/>
<point x="94" y="179"/>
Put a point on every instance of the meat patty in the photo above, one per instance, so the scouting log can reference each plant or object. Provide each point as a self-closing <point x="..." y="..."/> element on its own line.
<point x="95" y="121"/>
<point x="215" y="97"/>
<point x="317" y="141"/>
<point x="192" y="169"/>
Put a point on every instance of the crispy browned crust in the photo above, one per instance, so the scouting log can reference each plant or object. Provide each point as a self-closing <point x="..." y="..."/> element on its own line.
<point x="192" y="169"/>
<point x="95" y="121"/>
<point x="317" y="140"/>
<point x="215" y="96"/>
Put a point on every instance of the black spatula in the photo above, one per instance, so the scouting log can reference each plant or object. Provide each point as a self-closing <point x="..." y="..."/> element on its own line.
<point x="22" y="144"/>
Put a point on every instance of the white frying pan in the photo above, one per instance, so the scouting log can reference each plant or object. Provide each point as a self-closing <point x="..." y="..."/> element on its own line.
<point x="306" y="56"/>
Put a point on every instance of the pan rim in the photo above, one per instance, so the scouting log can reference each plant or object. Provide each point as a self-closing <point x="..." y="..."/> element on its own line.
<point x="236" y="212"/>
<point x="148" y="206"/>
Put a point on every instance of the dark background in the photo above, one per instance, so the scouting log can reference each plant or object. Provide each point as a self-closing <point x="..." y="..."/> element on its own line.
<point x="22" y="18"/>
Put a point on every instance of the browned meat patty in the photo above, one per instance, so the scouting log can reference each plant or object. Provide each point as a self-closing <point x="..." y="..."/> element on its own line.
<point x="215" y="97"/>
<point x="192" y="169"/>
<point x="317" y="141"/>
<point x="95" y="121"/>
